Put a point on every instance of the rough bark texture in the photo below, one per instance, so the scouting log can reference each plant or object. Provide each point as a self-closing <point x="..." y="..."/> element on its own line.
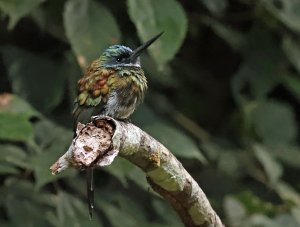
<point x="99" y="142"/>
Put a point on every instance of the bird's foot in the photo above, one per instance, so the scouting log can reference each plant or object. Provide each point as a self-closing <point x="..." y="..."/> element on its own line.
<point x="93" y="118"/>
<point x="96" y="117"/>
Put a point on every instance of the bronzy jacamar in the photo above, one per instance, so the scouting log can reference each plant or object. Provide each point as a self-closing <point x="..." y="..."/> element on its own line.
<point x="112" y="85"/>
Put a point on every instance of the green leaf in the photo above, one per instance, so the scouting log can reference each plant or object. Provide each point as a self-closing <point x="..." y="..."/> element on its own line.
<point x="49" y="136"/>
<point x="13" y="104"/>
<point x="117" y="205"/>
<point x="120" y="168"/>
<point x="23" y="212"/>
<point x="13" y="155"/>
<point x="155" y="17"/>
<point x="288" y="155"/>
<point x="272" y="168"/>
<point x="163" y="77"/>
<point x="287" y="11"/>
<point x="112" y="212"/>
<point x="286" y="220"/>
<point x="292" y="83"/>
<point x="16" y="9"/>
<point x="41" y="164"/>
<point x="292" y="51"/>
<point x="17" y="187"/>
<point x="138" y="177"/>
<point x="175" y="140"/>
<point x="216" y="7"/>
<point x="169" y="215"/>
<point x="296" y="213"/>
<point x="144" y="116"/>
<point x="179" y="144"/>
<point x="254" y="204"/>
<point x="275" y="123"/>
<point x="24" y="206"/>
<point x="49" y="18"/>
<point x="91" y="28"/>
<point x="260" y="220"/>
<point x="73" y="70"/>
<point x="288" y="193"/>
<point x="132" y="208"/>
<point x="70" y="211"/>
<point x="15" y="127"/>
<point x="6" y="168"/>
<point x="261" y="69"/>
<point x="233" y="37"/>
<point x="14" y="119"/>
<point x="123" y="170"/>
<point x="234" y="210"/>
<point x="35" y="78"/>
<point x="228" y="163"/>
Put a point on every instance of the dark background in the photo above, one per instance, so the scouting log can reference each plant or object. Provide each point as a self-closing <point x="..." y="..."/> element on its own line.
<point x="224" y="92"/>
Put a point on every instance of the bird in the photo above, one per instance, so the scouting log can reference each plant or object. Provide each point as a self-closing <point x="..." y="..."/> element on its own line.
<point x="113" y="85"/>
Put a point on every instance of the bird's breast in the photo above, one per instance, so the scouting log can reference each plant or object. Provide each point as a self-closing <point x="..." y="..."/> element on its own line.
<point x="126" y="93"/>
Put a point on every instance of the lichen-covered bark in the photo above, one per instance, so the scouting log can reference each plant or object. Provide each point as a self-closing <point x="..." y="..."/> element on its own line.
<point x="164" y="172"/>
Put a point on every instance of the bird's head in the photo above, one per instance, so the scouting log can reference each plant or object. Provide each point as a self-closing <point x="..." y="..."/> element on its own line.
<point x="122" y="56"/>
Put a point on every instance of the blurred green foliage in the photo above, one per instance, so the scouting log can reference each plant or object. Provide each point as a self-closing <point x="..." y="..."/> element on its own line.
<point x="224" y="92"/>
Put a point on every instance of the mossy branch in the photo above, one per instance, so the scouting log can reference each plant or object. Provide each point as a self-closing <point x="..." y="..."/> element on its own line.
<point x="98" y="142"/>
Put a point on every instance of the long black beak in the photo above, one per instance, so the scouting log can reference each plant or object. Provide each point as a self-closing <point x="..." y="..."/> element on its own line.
<point x="143" y="47"/>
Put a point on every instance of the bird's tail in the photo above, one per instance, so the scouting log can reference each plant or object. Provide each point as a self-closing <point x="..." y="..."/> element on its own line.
<point x="90" y="189"/>
<point x="83" y="114"/>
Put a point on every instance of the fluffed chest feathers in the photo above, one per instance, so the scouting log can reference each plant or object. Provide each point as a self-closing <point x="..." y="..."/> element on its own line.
<point x="126" y="93"/>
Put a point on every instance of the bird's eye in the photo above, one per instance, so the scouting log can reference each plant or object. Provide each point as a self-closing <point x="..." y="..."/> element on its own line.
<point x="119" y="59"/>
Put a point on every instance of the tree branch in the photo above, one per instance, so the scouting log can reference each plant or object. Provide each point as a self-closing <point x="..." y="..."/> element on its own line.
<point x="98" y="142"/>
